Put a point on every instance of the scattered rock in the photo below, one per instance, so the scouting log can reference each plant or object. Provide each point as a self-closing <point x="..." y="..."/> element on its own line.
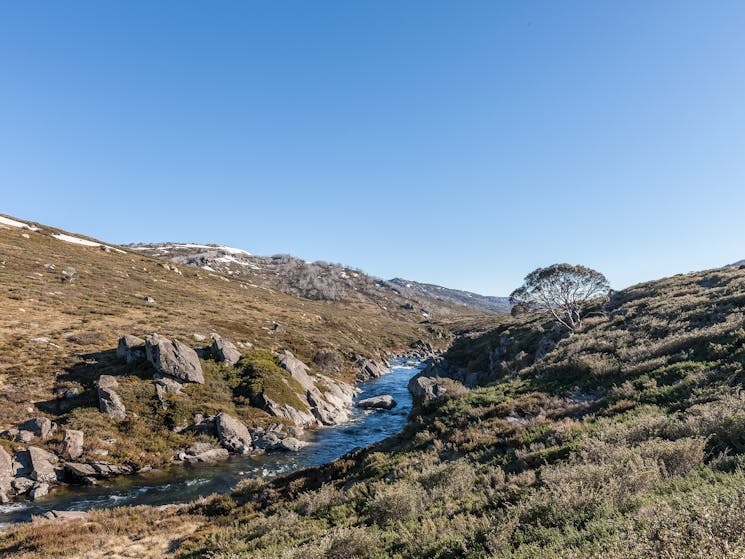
<point x="130" y="348"/>
<point x="109" y="401"/>
<point x="72" y="444"/>
<point x="385" y="402"/>
<point x="68" y="275"/>
<point x="224" y="351"/>
<point x="199" y="337"/>
<point x="233" y="434"/>
<point x="174" y="359"/>
<point x="39" y="426"/>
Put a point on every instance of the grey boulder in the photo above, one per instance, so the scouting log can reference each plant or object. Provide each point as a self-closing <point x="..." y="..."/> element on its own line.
<point x="39" y="426"/>
<point x="233" y="434"/>
<point x="385" y="402"/>
<point x="130" y="348"/>
<point x="109" y="401"/>
<point x="224" y="351"/>
<point x="72" y="444"/>
<point x="426" y="388"/>
<point x="42" y="465"/>
<point x="174" y="359"/>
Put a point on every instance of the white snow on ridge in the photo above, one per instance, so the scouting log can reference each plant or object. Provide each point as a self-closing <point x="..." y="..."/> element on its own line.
<point x="84" y="242"/>
<point x="229" y="250"/>
<point x="75" y="240"/>
<point x="14" y="223"/>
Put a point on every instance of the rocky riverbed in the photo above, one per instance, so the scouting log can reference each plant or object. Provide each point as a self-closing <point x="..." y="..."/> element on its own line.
<point x="195" y="478"/>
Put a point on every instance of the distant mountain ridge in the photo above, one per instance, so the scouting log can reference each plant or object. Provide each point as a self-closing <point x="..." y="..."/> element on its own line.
<point x="485" y="303"/>
<point x="324" y="281"/>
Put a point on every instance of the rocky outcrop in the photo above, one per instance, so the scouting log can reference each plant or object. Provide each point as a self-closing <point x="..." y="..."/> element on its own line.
<point x="224" y="351"/>
<point x="72" y="444"/>
<point x="109" y="401"/>
<point x="233" y="434"/>
<point x="298" y="417"/>
<point x="328" y="361"/>
<point x="421" y="349"/>
<point x="385" y="402"/>
<point x="369" y="369"/>
<point x="131" y="348"/>
<point x="426" y="388"/>
<point x="174" y="359"/>
<point x="328" y="400"/>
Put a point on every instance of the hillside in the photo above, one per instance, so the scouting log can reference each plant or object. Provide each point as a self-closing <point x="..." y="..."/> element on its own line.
<point x="224" y="347"/>
<point x="485" y="303"/>
<point x="624" y="440"/>
<point x="323" y="281"/>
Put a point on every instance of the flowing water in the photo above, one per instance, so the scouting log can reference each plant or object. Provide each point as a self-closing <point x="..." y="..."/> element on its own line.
<point x="183" y="483"/>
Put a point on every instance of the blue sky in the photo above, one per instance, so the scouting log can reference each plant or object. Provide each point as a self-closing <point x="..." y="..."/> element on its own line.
<point x="460" y="143"/>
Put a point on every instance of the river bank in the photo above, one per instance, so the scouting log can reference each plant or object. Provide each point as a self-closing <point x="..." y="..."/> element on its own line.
<point x="184" y="483"/>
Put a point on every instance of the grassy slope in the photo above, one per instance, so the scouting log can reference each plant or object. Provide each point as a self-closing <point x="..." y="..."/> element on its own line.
<point x="625" y="440"/>
<point x="56" y="335"/>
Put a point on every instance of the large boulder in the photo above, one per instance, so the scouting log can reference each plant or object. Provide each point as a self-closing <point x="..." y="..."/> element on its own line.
<point x="109" y="401"/>
<point x="72" y="444"/>
<point x="224" y="351"/>
<point x="174" y="359"/>
<point x="233" y="434"/>
<point x="385" y="402"/>
<point x="426" y="388"/>
<point x="39" y="426"/>
<point x="130" y="348"/>
<point x="42" y="465"/>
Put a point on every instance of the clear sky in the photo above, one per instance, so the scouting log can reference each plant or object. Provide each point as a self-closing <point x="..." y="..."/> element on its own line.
<point x="460" y="143"/>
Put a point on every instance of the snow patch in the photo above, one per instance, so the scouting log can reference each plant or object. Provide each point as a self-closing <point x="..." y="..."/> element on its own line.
<point x="229" y="250"/>
<point x="84" y="242"/>
<point x="14" y="223"/>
